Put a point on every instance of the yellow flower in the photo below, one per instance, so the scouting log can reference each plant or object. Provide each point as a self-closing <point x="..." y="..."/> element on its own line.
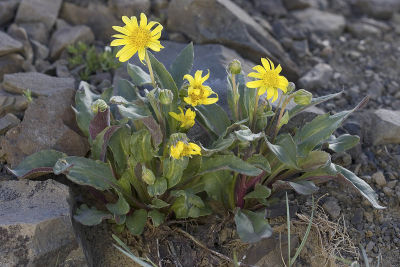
<point x="198" y="94"/>
<point x="181" y="149"/>
<point x="137" y="37"/>
<point x="186" y="119"/>
<point x="269" y="79"/>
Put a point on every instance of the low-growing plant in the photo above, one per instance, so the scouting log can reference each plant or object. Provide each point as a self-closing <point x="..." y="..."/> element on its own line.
<point x="89" y="61"/>
<point x="142" y="163"/>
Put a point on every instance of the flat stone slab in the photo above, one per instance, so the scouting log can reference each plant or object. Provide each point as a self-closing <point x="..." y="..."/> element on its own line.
<point x="8" y="44"/>
<point x="39" y="84"/>
<point x="35" y="224"/>
<point x="45" y="11"/>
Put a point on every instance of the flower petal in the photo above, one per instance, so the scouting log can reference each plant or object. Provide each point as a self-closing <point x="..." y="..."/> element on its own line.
<point x="259" y="68"/>
<point x="197" y="75"/>
<point x="255" y="75"/>
<point x="143" y="20"/>
<point x="262" y="90"/>
<point x="134" y="22"/>
<point x="270" y="92"/>
<point x="118" y="42"/>
<point x="254" y="84"/>
<point x="265" y="63"/>
<point x="142" y="53"/>
<point x="121" y="30"/>
<point x="151" y="24"/>
<point x="155" y="46"/>
<point x="276" y="94"/>
<point x="278" y="69"/>
<point x="210" y="100"/>
<point x="205" y="78"/>
<point x="189" y="78"/>
<point x="127" y="54"/>
<point x="283" y="83"/>
<point x="157" y="30"/>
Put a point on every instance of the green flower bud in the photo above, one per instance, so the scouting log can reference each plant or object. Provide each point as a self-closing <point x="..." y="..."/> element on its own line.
<point x="97" y="105"/>
<point x="148" y="176"/>
<point x="244" y="144"/>
<point x="235" y="67"/>
<point x="291" y="87"/>
<point x="166" y="96"/>
<point x="302" y="97"/>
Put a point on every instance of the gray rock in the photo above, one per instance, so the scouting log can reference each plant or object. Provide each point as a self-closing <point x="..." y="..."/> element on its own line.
<point x="8" y="44"/>
<point x="321" y="22"/>
<point x="7" y="122"/>
<point x="98" y="17"/>
<point x="379" y="9"/>
<point x="300" y="48"/>
<point x="40" y="51"/>
<point x="362" y="30"/>
<point x="7" y="10"/>
<point x="271" y="7"/>
<point x="381" y="127"/>
<point x="20" y="34"/>
<point x="379" y="178"/>
<point x="37" y="31"/>
<point x="331" y="206"/>
<point x="45" y="11"/>
<point x="49" y="123"/>
<point x="388" y="191"/>
<point x="297" y="4"/>
<point x="222" y="21"/>
<point x="12" y="103"/>
<point x="317" y="77"/>
<point x="212" y="57"/>
<point x="129" y="7"/>
<point x="10" y="63"/>
<point x="67" y="36"/>
<point x="39" y="84"/>
<point x="35" y="225"/>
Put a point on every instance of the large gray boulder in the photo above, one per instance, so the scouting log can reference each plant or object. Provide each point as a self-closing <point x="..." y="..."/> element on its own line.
<point x="8" y="44"/>
<point x="7" y="10"/>
<point x="321" y="22"/>
<point x="380" y="9"/>
<point x="49" y="123"/>
<point x="45" y="11"/>
<point x="67" y="36"/>
<point x="11" y="103"/>
<point x="381" y="126"/>
<point x="316" y="78"/>
<point x="39" y="84"/>
<point x="223" y="22"/>
<point x="35" y="225"/>
<point x="10" y="63"/>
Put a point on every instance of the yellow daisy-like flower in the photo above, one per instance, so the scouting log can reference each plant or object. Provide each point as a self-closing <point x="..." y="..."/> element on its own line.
<point x="186" y="118"/>
<point x="269" y="79"/>
<point x="198" y="94"/>
<point x="181" y="149"/>
<point x="137" y="37"/>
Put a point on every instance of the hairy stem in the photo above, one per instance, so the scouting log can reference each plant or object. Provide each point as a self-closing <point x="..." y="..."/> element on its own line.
<point x="235" y="97"/>
<point x="148" y="63"/>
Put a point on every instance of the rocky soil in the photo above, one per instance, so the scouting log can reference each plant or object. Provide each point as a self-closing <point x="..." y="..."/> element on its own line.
<point x="324" y="46"/>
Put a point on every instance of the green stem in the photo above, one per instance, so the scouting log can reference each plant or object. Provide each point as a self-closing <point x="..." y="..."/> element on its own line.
<point x="235" y="97"/>
<point x="277" y="128"/>
<point x="148" y="63"/>
<point x="274" y="117"/>
<point x="253" y="117"/>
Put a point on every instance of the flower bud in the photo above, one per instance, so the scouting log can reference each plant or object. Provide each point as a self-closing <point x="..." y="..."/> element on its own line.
<point x="291" y="87"/>
<point x="235" y="67"/>
<point x="148" y="176"/>
<point x="97" y="105"/>
<point x="302" y="97"/>
<point x="166" y="96"/>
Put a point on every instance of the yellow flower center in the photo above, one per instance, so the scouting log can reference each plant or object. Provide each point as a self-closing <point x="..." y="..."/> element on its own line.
<point x="140" y="37"/>
<point x="271" y="79"/>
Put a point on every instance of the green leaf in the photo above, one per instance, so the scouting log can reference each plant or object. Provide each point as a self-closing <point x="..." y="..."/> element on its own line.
<point x="158" y="203"/>
<point x="301" y="187"/>
<point x="141" y="146"/>
<point x="83" y="101"/>
<point x="188" y="205"/>
<point x="285" y="150"/>
<point x="136" y="221"/>
<point x="350" y="178"/>
<point x="134" y="112"/>
<point x="126" y="89"/>
<point x="164" y="78"/>
<point x="315" y="159"/>
<point x="216" y="123"/>
<point x="37" y="164"/>
<point x="156" y="217"/>
<point x="343" y="142"/>
<point x="260" y="162"/>
<point x="154" y="129"/>
<point x="182" y="65"/>
<point x="173" y="170"/>
<point x="320" y="129"/>
<point x="245" y="134"/>
<point x="260" y="191"/>
<point x="228" y="162"/>
<point x="139" y="77"/>
<point x="99" y="146"/>
<point x="217" y="146"/>
<point x="315" y="101"/>
<point x="90" y="216"/>
<point x="251" y="226"/>
<point x="86" y="171"/>
<point x="99" y="122"/>
<point x="218" y="186"/>
<point x="119" y="147"/>
<point x="158" y="188"/>
<point x="247" y="97"/>
<point x="121" y="207"/>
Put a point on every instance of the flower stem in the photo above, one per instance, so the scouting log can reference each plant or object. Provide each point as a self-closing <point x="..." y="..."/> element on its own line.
<point x="287" y="100"/>
<point x="253" y="117"/>
<point x="153" y="81"/>
<point x="235" y="97"/>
